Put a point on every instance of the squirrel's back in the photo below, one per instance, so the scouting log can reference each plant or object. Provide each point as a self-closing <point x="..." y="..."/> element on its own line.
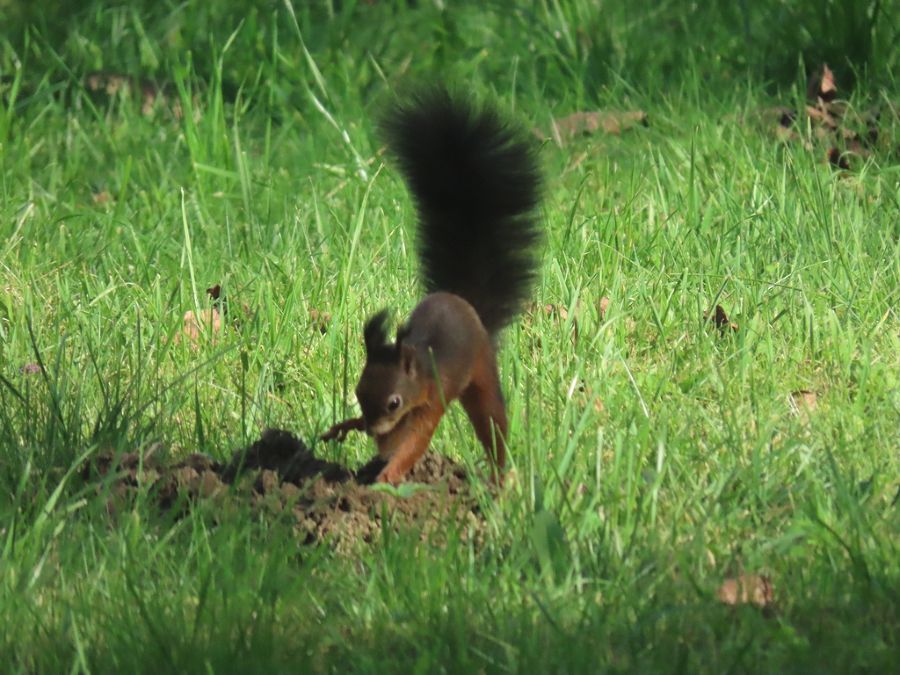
<point x="476" y="185"/>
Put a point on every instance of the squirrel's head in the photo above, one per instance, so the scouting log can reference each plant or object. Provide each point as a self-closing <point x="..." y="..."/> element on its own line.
<point x="390" y="385"/>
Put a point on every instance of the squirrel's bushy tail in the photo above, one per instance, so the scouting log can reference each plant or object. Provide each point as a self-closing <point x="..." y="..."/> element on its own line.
<point x="476" y="184"/>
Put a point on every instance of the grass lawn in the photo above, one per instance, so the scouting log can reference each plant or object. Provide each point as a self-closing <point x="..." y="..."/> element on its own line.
<point x="657" y="455"/>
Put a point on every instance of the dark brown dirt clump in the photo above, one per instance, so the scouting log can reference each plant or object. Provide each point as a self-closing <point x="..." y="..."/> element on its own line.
<point x="279" y="476"/>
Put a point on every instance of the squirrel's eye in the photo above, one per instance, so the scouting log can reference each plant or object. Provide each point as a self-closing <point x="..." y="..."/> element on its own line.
<point x="394" y="403"/>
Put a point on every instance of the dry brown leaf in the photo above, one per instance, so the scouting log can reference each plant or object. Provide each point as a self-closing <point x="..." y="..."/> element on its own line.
<point x="110" y="83"/>
<point x="194" y="325"/>
<point x="609" y="122"/>
<point x="151" y="94"/>
<point x="220" y="302"/>
<point x="837" y="129"/>
<point x="827" y="86"/>
<point x="823" y="116"/>
<point x="556" y="311"/>
<point x="603" y="305"/>
<point x="586" y="396"/>
<point x="821" y="85"/>
<point x="747" y="589"/>
<point x="212" y="319"/>
<point x="561" y="314"/>
<point x="720" y="318"/>
<point x="803" y="402"/>
<point x="320" y="320"/>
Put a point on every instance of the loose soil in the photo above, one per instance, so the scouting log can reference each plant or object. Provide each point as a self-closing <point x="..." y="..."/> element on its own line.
<point x="280" y="477"/>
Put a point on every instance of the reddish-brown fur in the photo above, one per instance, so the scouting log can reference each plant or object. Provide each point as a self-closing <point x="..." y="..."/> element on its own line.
<point x="460" y="364"/>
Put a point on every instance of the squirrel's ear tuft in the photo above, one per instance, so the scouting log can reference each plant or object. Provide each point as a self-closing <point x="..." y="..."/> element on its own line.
<point x="408" y="359"/>
<point x="402" y="333"/>
<point x="375" y="333"/>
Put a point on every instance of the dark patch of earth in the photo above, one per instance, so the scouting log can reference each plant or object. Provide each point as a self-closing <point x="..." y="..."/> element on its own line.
<point x="280" y="476"/>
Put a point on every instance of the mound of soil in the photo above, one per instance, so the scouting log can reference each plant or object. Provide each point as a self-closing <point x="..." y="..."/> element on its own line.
<point x="279" y="476"/>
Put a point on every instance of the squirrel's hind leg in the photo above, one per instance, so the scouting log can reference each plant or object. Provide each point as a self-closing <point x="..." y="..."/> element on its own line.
<point x="483" y="403"/>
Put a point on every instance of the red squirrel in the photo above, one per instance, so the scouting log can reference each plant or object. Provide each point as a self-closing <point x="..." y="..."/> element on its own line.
<point x="476" y="185"/>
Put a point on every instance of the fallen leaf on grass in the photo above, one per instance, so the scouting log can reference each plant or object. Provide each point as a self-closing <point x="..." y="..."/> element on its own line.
<point x="803" y="402"/>
<point x="556" y="311"/>
<point x="320" y="320"/>
<point x="195" y="324"/>
<point x="747" y="589"/>
<point x="603" y="305"/>
<point x="821" y="85"/>
<point x="586" y="396"/>
<point x="212" y="319"/>
<point x="835" y="127"/>
<point x="720" y="318"/>
<point x="823" y="117"/>
<point x="151" y="94"/>
<point x="561" y="314"/>
<point x="584" y="123"/>
<point x="109" y="83"/>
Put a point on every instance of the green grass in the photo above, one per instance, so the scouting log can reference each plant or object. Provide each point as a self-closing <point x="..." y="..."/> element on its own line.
<point x="626" y="515"/>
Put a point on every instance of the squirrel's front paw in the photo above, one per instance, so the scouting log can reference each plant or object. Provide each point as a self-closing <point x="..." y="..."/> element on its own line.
<point x="390" y="474"/>
<point x="340" y="430"/>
